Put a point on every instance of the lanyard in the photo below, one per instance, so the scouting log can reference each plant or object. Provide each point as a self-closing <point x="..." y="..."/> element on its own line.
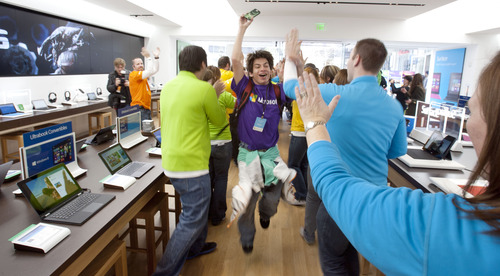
<point x="265" y="101"/>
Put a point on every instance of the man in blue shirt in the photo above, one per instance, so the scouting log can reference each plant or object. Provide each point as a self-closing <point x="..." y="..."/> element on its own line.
<point x="368" y="128"/>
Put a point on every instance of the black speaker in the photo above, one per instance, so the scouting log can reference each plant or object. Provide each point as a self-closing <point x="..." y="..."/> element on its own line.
<point x="52" y="97"/>
<point x="98" y="91"/>
<point x="67" y="95"/>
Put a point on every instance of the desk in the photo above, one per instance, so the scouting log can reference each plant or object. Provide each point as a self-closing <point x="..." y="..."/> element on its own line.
<point x="40" y="117"/>
<point x="74" y="253"/>
<point x="401" y="175"/>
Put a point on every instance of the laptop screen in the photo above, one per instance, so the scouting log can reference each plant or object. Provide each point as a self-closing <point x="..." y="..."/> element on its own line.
<point x="92" y="96"/>
<point x="7" y="108"/>
<point x="115" y="158"/>
<point x="129" y="125"/>
<point x="49" y="188"/>
<point x="48" y="153"/>
<point x="39" y="104"/>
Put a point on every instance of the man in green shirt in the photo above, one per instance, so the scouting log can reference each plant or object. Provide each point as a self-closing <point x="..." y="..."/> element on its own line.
<point x="187" y="103"/>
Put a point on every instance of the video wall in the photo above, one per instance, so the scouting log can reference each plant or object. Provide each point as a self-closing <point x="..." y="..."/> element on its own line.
<point x="37" y="44"/>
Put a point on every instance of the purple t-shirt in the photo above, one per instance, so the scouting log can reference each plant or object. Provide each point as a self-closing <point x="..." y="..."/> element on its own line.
<point x="262" y="100"/>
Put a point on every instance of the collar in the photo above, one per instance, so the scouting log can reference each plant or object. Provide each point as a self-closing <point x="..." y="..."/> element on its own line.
<point x="369" y="78"/>
<point x="187" y="74"/>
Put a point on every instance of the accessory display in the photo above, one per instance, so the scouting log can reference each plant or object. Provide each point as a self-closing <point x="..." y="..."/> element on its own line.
<point x="98" y="91"/>
<point x="67" y="95"/>
<point x="52" y="97"/>
<point x="313" y="124"/>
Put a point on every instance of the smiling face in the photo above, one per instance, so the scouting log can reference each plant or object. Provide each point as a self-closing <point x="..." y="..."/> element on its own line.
<point x="138" y="65"/>
<point x="261" y="71"/>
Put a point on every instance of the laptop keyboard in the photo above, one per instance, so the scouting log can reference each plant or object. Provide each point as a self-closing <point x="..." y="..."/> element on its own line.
<point x="131" y="168"/>
<point x="421" y="154"/>
<point x="74" y="206"/>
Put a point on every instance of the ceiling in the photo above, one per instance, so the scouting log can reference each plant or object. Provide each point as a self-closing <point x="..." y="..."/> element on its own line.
<point x="381" y="9"/>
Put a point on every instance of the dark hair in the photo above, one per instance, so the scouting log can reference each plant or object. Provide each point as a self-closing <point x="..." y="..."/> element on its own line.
<point x="259" y="54"/>
<point x="223" y="61"/>
<point x="372" y="53"/>
<point x="212" y="73"/>
<point x="418" y="81"/>
<point x="488" y="161"/>
<point x="341" y="77"/>
<point x="328" y="73"/>
<point x="408" y="78"/>
<point x="191" y="58"/>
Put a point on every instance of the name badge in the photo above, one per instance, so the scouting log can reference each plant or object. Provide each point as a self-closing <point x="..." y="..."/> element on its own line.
<point x="259" y="124"/>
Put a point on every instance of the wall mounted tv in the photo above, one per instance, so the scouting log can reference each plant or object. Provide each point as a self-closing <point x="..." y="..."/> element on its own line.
<point x="37" y="44"/>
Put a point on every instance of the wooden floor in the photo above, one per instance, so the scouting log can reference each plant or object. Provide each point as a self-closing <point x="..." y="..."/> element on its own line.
<point x="278" y="250"/>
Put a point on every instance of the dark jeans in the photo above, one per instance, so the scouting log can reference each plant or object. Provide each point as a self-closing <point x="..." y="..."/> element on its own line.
<point x="336" y="254"/>
<point x="145" y="113"/>
<point x="297" y="160"/>
<point x="220" y="159"/>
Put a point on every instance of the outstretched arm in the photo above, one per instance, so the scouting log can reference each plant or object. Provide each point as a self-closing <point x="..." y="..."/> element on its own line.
<point x="237" y="53"/>
<point x="294" y="63"/>
<point x="153" y="64"/>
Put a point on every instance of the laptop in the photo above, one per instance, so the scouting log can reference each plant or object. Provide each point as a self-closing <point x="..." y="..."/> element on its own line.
<point x="41" y="105"/>
<point x="434" y="154"/>
<point x="80" y="145"/>
<point x="10" y="111"/>
<point x="118" y="162"/>
<point x="129" y="130"/>
<point x="4" y="169"/>
<point x="93" y="97"/>
<point x="103" y="135"/>
<point x="56" y="197"/>
<point x="157" y="136"/>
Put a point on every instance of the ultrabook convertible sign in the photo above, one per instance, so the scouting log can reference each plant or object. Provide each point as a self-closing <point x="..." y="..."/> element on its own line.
<point x="44" y="134"/>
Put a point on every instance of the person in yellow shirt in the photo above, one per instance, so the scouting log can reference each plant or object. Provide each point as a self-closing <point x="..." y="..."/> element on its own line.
<point x="138" y="81"/>
<point x="224" y="65"/>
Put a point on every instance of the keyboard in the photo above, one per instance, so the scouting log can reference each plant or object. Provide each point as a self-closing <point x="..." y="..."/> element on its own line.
<point x="421" y="154"/>
<point x="74" y="206"/>
<point x="131" y="168"/>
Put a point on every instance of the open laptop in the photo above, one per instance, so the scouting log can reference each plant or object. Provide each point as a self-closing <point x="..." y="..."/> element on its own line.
<point x="103" y="135"/>
<point x="4" y="169"/>
<point x="56" y="196"/>
<point x="93" y="97"/>
<point x="41" y="105"/>
<point x="118" y="162"/>
<point x="434" y="154"/>
<point x="157" y="136"/>
<point x="9" y="110"/>
<point x="129" y="130"/>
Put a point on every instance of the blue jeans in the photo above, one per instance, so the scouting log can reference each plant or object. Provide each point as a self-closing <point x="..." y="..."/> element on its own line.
<point x="297" y="160"/>
<point x="220" y="160"/>
<point x="336" y="254"/>
<point x="191" y="232"/>
<point x="268" y="206"/>
<point x="145" y="113"/>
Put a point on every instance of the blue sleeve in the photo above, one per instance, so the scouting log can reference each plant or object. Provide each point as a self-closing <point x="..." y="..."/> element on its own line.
<point x="289" y="87"/>
<point x="399" y="142"/>
<point x="382" y="223"/>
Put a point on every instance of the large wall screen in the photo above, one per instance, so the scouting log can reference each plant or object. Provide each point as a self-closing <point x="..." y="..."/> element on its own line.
<point x="37" y="44"/>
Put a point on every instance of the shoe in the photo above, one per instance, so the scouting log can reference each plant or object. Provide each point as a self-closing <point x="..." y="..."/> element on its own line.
<point x="208" y="247"/>
<point x="264" y="223"/>
<point x="302" y="232"/>
<point x="216" y="222"/>
<point x="247" y="249"/>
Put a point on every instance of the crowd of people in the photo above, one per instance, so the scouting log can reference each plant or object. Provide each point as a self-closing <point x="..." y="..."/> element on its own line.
<point x="337" y="158"/>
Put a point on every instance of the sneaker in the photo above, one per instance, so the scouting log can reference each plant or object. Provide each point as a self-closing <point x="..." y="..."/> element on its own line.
<point x="264" y="223"/>
<point x="209" y="247"/>
<point x="247" y="249"/>
<point x="309" y="241"/>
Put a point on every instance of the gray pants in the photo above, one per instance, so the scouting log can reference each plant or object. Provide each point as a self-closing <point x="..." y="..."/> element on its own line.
<point x="268" y="206"/>
<point x="312" y="204"/>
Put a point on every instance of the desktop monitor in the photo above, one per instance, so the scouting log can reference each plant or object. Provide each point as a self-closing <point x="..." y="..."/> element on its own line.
<point x="46" y="154"/>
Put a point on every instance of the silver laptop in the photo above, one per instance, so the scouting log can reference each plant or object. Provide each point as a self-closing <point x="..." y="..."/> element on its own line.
<point x="129" y="130"/>
<point x="56" y="196"/>
<point x="93" y="97"/>
<point x="41" y="105"/>
<point x="118" y="162"/>
<point x="435" y="154"/>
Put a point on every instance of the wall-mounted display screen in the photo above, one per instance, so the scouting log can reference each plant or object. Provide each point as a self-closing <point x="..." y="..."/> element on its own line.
<point x="37" y="44"/>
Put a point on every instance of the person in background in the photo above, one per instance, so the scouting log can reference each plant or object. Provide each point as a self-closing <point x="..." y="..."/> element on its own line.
<point x="139" y="86"/>
<point x="381" y="80"/>
<point x="224" y="64"/>
<point x="341" y="78"/>
<point x="408" y="232"/>
<point x="401" y="93"/>
<point x="187" y="104"/>
<point x="417" y="93"/>
<point x="328" y="73"/>
<point x="220" y="155"/>
<point x="118" y="86"/>
<point x="369" y="128"/>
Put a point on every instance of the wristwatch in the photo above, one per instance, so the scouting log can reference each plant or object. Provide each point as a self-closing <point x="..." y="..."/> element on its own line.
<point x="312" y="124"/>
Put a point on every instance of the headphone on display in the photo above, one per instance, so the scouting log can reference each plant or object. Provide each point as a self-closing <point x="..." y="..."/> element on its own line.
<point x="67" y="95"/>
<point x="98" y="91"/>
<point x="52" y="97"/>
